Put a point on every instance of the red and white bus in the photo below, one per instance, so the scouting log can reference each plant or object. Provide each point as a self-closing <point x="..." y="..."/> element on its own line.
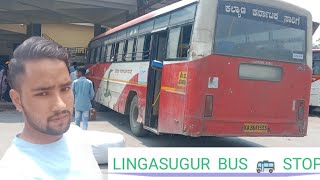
<point x="208" y="68"/>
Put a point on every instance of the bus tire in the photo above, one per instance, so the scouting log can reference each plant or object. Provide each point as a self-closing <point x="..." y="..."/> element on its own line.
<point x="136" y="127"/>
<point x="270" y="170"/>
<point x="258" y="170"/>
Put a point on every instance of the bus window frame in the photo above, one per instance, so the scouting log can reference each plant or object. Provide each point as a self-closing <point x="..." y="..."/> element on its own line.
<point x="98" y="54"/>
<point x="150" y="46"/>
<point x="93" y="59"/>
<point x="114" y="38"/>
<point x="129" y="53"/>
<point x="124" y="50"/>
<point x="120" y="49"/>
<point x="181" y="26"/>
<point x="134" y="49"/>
<point x="103" y="53"/>
<point x="108" y="57"/>
<point x="89" y="55"/>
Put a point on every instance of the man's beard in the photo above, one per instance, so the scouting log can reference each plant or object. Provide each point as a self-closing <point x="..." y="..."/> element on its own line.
<point x="44" y="127"/>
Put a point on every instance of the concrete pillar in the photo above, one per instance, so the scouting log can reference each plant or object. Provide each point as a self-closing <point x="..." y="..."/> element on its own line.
<point x="33" y="30"/>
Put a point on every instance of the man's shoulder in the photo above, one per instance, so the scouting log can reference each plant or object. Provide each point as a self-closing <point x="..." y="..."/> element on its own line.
<point x="11" y="153"/>
<point x="7" y="172"/>
<point x="12" y="156"/>
<point x="75" y="81"/>
<point x="89" y="81"/>
<point x="73" y="129"/>
<point x="76" y="136"/>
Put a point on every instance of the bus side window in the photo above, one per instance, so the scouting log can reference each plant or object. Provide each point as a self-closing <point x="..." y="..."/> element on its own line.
<point x="109" y="52"/>
<point x="116" y="51"/>
<point x="90" y="52"/>
<point x="120" y="51"/>
<point x="113" y="55"/>
<point x="146" y="48"/>
<point x="103" y="53"/>
<point x="125" y="49"/>
<point x="105" y="56"/>
<point x="173" y="42"/>
<point x="140" y="45"/>
<point x="184" y="41"/>
<point x="93" y="52"/>
<point x="97" y="56"/>
<point x="129" y="55"/>
<point x="134" y="49"/>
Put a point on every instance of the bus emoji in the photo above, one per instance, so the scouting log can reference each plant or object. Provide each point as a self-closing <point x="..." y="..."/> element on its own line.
<point x="263" y="166"/>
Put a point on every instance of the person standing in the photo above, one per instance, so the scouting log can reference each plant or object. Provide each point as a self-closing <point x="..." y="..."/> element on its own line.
<point x="4" y="84"/>
<point x="83" y="93"/>
<point x="73" y="67"/>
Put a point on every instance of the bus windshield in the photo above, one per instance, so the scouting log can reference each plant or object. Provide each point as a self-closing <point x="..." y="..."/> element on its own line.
<point x="255" y="31"/>
<point x="316" y="63"/>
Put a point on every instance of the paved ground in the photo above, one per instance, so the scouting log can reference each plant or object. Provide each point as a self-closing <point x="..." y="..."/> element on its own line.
<point x="11" y="124"/>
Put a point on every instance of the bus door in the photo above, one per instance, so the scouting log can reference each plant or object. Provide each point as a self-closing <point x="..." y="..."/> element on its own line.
<point x="157" y="56"/>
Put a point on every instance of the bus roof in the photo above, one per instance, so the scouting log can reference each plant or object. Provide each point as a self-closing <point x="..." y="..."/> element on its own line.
<point x="173" y="7"/>
<point x="148" y="16"/>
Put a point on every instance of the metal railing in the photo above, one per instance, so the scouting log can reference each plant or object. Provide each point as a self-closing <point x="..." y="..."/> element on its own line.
<point x="77" y="54"/>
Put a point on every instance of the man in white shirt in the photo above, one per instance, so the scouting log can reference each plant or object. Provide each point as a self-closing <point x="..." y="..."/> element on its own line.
<point x="48" y="147"/>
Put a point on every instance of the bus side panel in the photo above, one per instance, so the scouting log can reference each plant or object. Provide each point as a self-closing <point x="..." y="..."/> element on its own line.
<point x="133" y="76"/>
<point x="96" y="74"/>
<point x="192" y="125"/>
<point x="122" y="79"/>
<point x="172" y="97"/>
<point x="113" y="83"/>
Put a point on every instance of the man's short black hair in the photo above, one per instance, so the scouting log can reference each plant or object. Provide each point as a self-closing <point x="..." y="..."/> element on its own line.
<point x="34" y="49"/>
<point x="74" y="64"/>
<point x="82" y="70"/>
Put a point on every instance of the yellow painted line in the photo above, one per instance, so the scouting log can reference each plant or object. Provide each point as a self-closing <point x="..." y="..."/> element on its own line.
<point x="117" y="81"/>
<point x="175" y="90"/>
<point x="170" y="89"/>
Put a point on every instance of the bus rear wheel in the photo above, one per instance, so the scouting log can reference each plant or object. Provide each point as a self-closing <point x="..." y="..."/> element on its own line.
<point x="136" y="127"/>
<point x="270" y="170"/>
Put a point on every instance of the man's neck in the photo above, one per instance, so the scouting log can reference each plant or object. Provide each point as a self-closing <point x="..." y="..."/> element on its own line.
<point x="35" y="137"/>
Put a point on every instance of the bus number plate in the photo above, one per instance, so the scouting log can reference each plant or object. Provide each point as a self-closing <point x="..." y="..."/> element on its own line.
<point x="255" y="128"/>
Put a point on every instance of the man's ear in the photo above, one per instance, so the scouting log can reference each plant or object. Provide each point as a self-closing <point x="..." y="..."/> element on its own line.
<point x="15" y="97"/>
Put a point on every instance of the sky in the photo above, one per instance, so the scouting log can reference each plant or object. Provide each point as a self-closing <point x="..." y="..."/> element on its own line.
<point x="314" y="7"/>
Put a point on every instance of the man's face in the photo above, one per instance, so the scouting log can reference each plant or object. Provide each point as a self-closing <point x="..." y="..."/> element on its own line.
<point x="46" y="97"/>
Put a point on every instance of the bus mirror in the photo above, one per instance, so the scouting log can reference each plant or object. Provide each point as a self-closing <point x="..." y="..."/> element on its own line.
<point x="158" y="65"/>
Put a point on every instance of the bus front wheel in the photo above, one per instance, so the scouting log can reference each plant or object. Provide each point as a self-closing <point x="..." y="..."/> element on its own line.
<point x="136" y="127"/>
